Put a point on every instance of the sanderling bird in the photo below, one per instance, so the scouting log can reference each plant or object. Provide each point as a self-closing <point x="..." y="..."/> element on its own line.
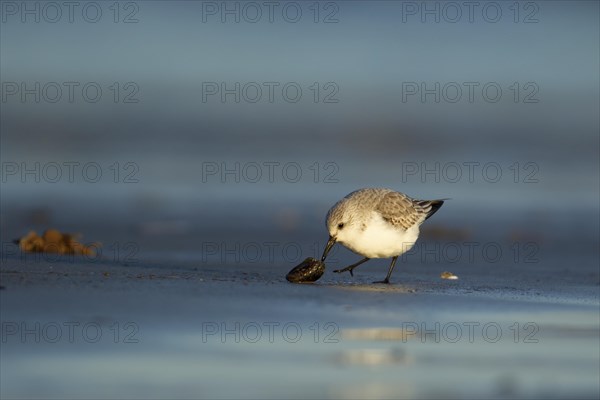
<point x="377" y="223"/>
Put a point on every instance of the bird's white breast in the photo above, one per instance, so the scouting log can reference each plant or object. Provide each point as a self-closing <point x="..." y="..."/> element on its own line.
<point x="379" y="238"/>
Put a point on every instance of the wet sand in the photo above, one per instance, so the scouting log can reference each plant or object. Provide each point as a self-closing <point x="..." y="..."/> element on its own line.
<point x="72" y="329"/>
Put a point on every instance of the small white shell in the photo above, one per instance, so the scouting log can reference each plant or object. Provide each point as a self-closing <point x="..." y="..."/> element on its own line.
<point x="448" y="275"/>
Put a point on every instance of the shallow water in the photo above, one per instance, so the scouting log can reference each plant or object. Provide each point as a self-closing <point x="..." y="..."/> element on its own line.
<point x="243" y="331"/>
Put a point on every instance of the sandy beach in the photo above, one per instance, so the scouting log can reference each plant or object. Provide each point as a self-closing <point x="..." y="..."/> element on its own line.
<point x="102" y="328"/>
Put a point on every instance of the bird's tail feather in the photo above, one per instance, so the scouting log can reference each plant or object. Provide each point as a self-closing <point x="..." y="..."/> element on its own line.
<point x="435" y="205"/>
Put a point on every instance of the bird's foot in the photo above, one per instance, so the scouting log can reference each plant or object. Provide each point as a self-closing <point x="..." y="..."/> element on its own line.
<point x="386" y="281"/>
<point x="349" y="269"/>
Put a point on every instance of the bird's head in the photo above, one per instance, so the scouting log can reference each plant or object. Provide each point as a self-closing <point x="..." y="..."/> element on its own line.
<point x="340" y="222"/>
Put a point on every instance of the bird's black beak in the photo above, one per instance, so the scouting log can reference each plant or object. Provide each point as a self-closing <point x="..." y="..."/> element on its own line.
<point x="328" y="247"/>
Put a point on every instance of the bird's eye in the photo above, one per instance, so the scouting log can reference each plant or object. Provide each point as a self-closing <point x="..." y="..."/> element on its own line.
<point x="340" y="225"/>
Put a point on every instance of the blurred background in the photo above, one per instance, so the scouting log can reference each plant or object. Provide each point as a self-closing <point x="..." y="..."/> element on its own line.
<point x="121" y="108"/>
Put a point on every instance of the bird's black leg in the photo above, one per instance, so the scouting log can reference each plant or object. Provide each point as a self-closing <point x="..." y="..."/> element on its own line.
<point x="351" y="267"/>
<point x="387" y="278"/>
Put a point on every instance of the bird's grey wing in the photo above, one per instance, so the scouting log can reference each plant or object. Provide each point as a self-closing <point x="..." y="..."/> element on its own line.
<point x="402" y="211"/>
